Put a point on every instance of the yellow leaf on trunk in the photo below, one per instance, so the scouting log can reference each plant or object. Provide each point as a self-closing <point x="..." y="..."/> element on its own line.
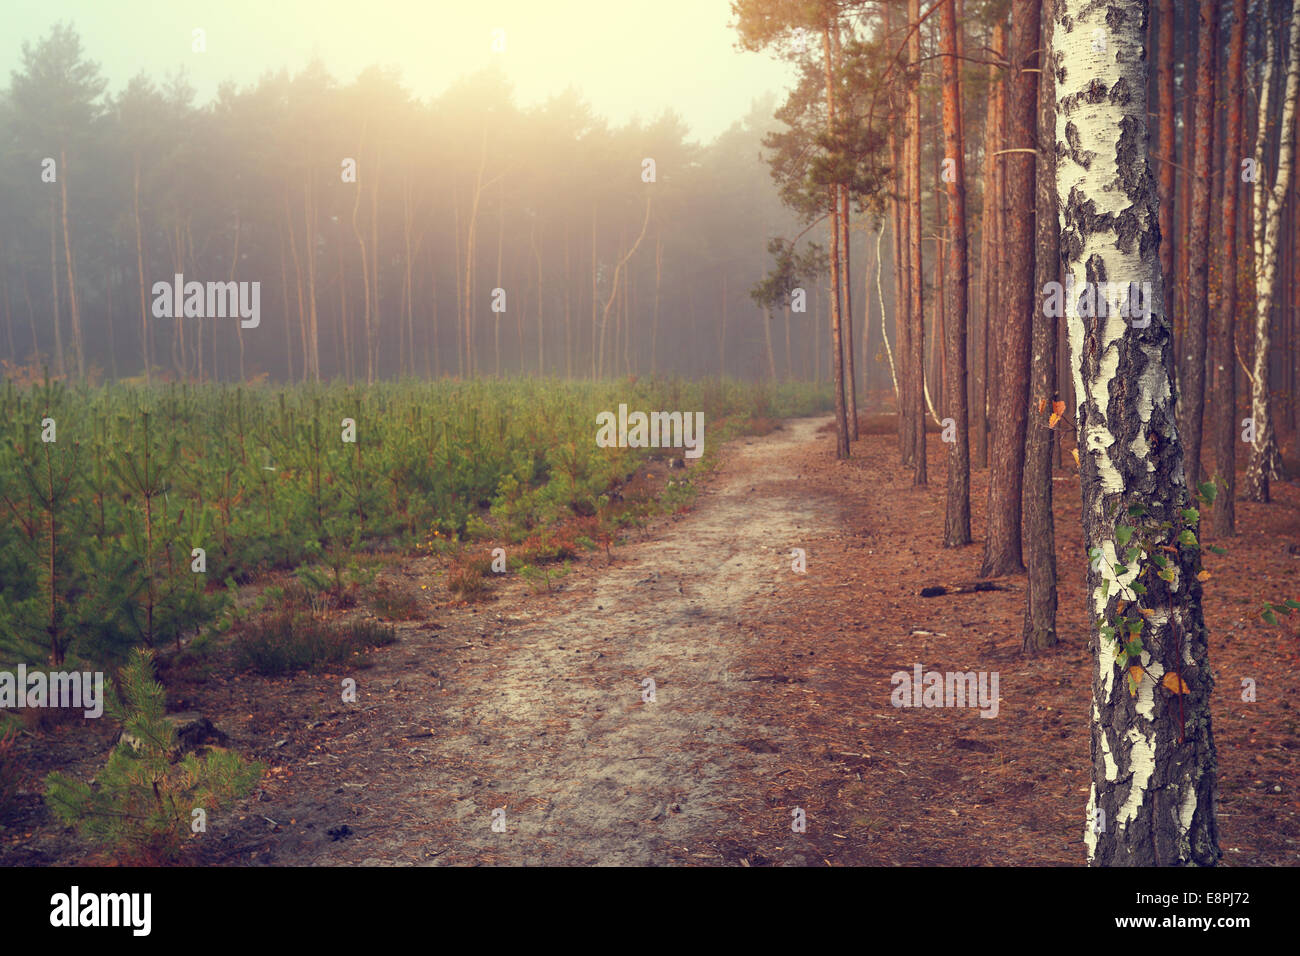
<point x="1175" y="684"/>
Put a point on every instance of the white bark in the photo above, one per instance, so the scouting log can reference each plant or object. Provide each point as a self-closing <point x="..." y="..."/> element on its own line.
<point x="1152" y="752"/>
<point x="1264" y="460"/>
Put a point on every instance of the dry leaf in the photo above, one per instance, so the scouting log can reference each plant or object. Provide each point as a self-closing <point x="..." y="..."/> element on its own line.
<point x="1075" y="453"/>
<point x="1204" y="576"/>
<point x="1053" y="419"/>
<point x="1174" y="684"/>
<point x="1058" y="409"/>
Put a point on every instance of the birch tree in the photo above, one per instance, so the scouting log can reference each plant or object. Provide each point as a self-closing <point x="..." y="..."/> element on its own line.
<point x="1153" y="762"/>
<point x="1265" y="461"/>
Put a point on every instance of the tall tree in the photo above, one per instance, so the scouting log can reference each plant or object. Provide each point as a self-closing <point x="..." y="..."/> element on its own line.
<point x="1153" y="762"/>
<point x="56" y="102"/>
<point x="1039" y="526"/>
<point x="1191" y="392"/>
<point x="832" y="193"/>
<point x="1265" y="459"/>
<point x="1002" y="544"/>
<point x="956" y="530"/>
<point x="990" y="243"/>
<point x="1167" y="140"/>
<point x="1223" y="410"/>
<point x="916" y="361"/>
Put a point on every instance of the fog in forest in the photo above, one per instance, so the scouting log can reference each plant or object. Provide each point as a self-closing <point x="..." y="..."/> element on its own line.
<point x="553" y="200"/>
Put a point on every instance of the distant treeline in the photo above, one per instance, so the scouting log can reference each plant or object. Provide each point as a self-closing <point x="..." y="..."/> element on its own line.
<point x="390" y="236"/>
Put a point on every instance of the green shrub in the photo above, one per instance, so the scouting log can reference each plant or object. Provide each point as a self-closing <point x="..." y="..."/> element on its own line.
<point x="142" y="803"/>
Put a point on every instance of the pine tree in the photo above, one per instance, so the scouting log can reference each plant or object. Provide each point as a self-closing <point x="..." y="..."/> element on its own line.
<point x="144" y="799"/>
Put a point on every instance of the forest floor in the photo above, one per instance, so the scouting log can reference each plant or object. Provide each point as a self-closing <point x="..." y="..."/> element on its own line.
<point x="772" y="692"/>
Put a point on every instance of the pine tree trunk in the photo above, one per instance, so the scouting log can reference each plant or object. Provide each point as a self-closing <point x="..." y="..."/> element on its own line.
<point x="1191" y="392"/>
<point x="1039" y="525"/>
<point x="139" y="264"/>
<point x="1183" y="216"/>
<point x="956" y="529"/>
<point x="1153" y="760"/>
<point x="917" y="310"/>
<point x="989" y="245"/>
<point x="837" y="353"/>
<point x="850" y="372"/>
<point x="54" y="293"/>
<point x="1002" y="544"/>
<point x="902" y="295"/>
<point x="1167" y="141"/>
<point x="74" y="310"/>
<point x="312" y="356"/>
<point x="365" y="281"/>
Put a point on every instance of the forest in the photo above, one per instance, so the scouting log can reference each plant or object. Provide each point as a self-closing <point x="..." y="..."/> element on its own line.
<point x="906" y="475"/>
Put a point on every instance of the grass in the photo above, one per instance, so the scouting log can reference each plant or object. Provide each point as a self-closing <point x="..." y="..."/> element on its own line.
<point x="289" y="640"/>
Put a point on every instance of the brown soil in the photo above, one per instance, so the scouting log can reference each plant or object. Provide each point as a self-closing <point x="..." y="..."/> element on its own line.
<point x="772" y="692"/>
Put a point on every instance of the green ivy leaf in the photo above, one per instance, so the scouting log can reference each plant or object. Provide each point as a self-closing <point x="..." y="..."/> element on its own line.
<point x="1133" y="648"/>
<point x="1216" y="549"/>
<point x="1188" y="538"/>
<point x="1293" y="604"/>
<point x="1159" y="560"/>
<point x="1131" y="554"/>
<point x="1137" y="511"/>
<point x="1191" y="515"/>
<point x="1270" y="617"/>
<point x="1123" y="534"/>
<point x="1138" y="588"/>
<point x="1108" y="632"/>
<point x="1209" y="491"/>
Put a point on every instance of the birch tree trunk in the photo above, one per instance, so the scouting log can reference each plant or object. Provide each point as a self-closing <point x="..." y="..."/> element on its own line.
<point x="1153" y="761"/>
<point x="1265" y="460"/>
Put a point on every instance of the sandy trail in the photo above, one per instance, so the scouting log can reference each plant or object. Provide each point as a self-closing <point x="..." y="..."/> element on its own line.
<point x="547" y="720"/>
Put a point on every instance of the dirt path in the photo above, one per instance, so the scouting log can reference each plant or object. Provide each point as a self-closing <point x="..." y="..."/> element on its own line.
<point x="548" y="718"/>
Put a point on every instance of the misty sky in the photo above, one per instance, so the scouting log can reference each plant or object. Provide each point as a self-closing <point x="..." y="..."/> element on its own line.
<point x="625" y="58"/>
